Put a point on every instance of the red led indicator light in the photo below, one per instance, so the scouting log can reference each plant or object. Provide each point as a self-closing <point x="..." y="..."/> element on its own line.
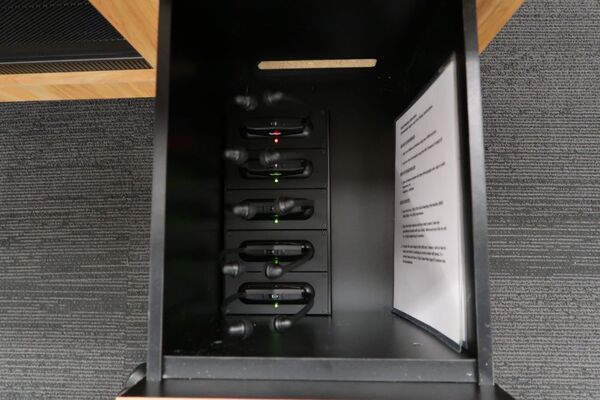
<point x="276" y="140"/>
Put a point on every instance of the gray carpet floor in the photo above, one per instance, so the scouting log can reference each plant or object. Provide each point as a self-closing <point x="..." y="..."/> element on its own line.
<point x="541" y="93"/>
<point x="75" y="205"/>
<point x="74" y="231"/>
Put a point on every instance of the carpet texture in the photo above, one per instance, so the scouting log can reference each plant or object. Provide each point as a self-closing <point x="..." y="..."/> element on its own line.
<point x="74" y="232"/>
<point x="75" y="187"/>
<point x="541" y="95"/>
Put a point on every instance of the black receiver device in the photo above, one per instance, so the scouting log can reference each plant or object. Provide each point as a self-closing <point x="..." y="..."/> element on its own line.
<point x="282" y="207"/>
<point x="273" y="253"/>
<point x="276" y="127"/>
<point x="270" y="164"/>
<point x="270" y="293"/>
<point x="276" y="293"/>
<point x="276" y="211"/>
<point x="285" y="250"/>
<point x="285" y="169"/>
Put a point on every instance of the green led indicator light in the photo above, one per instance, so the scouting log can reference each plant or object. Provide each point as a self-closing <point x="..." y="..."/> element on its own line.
<point x="276" y="220"/>
<point x="276" y="260"/>
<point x="276" y="305"/>
<point x="276" y="180"/>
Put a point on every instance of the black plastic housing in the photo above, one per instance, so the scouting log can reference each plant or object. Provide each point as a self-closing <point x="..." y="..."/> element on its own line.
<point x="313" y="175"/>
<point x="317" y="218"/>
<point x="302" y="136"/>
<point x="318" y="280"/>
<point x="319" y="240"/>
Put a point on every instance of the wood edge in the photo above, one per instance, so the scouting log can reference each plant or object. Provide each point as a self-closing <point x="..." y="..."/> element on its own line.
<point x="86" y="85"/>
<point x="83" y="77"/>
<point x="492" y="17"/>
<point x="136" y="21"/>
<point x="78" y="92"/>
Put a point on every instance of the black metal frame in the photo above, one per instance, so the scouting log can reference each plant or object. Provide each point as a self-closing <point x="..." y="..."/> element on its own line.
<point x="263" y="389"/>
<point x="471" y="87"/>
<point x="321" y="369"/>
<point x="159" y="195"/>
<point x="160" y="367"/>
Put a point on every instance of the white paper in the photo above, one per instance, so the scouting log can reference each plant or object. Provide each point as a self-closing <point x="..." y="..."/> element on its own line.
<point x="429" y="270"/>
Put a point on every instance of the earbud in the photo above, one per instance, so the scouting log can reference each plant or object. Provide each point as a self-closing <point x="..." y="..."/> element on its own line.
<point x="247" y="102"/>
<point x="286" y="205"/>
<point x="233" y="269"/>
<point x="238" y="156"/>
<point x="273" y="271"/>
<point x="266" y="158"/>
<point x="244" y="210"/>
<point x="271" y="98"/>
<point x="269" y="157"/>
<point x="241" y="329"/>
<point x="281" y="324"/>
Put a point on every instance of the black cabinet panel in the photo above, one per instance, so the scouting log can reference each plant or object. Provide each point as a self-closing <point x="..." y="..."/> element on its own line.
<point x="249" y="389"/>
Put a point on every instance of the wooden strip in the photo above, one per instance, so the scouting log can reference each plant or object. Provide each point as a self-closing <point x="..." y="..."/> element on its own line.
<point x="78" y="85"/>
<point x="136" y="21"/>
<point x="492" y="16"/>
<point x="317" y="64"/>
